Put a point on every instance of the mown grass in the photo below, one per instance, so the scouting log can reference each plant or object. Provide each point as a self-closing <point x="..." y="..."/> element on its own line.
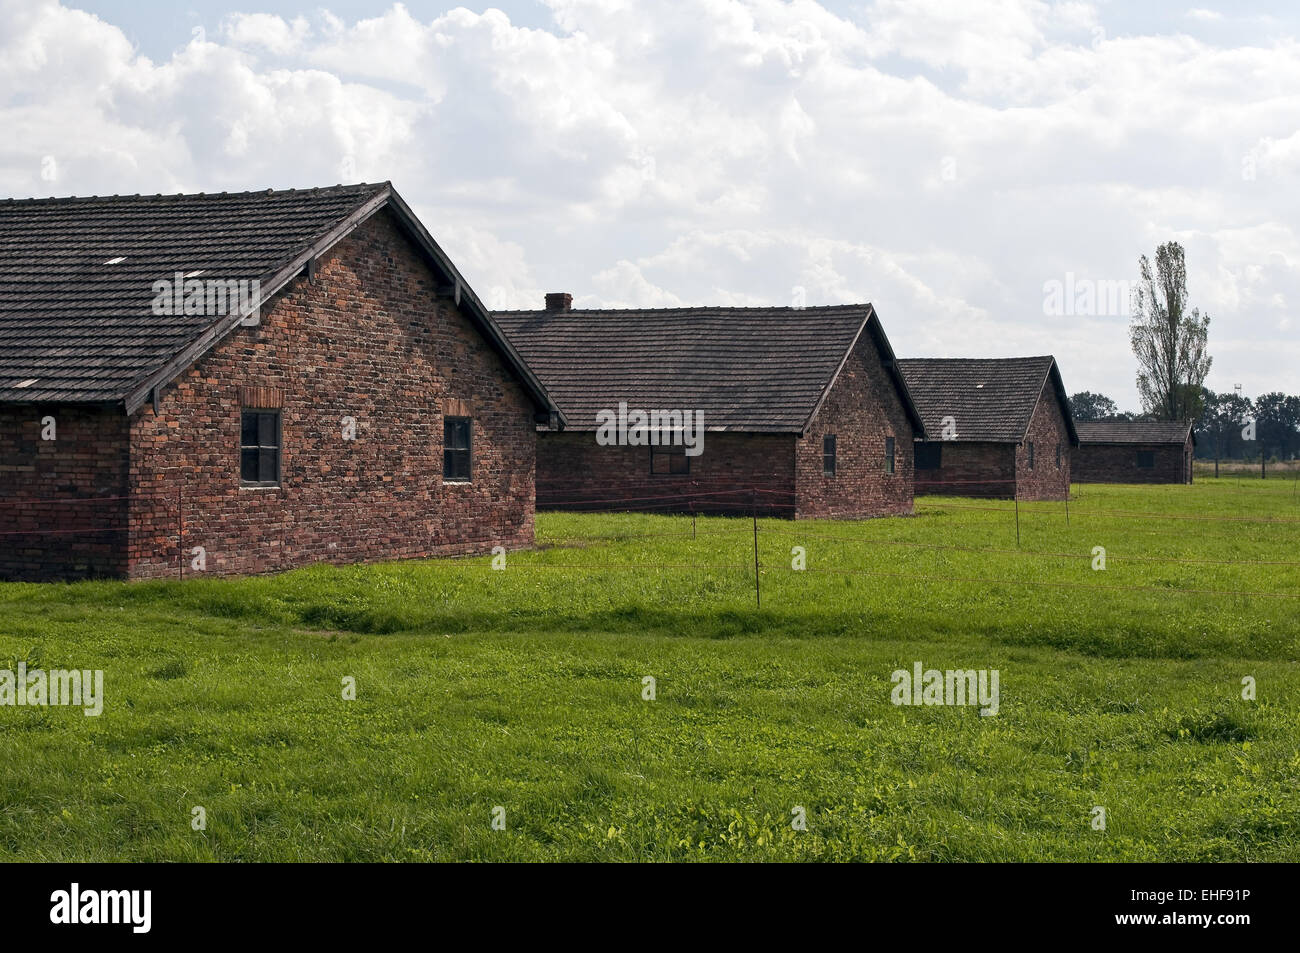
<point x="523" y="688"/>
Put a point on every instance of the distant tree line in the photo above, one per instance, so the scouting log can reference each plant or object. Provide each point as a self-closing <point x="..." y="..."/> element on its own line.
<point x="1169" y="340"/>
<point x="1225" y="425"/>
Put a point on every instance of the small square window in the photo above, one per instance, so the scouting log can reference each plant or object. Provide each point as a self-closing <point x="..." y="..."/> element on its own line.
<point x="1146" y="459"/>
<point x="889" y="454"/>
<point x="456" y="449"/>
<point x="259" y="448"/>
<point x="666" y="461"/>
<point x="828" y="455"/>
<point x="929" y="456"/>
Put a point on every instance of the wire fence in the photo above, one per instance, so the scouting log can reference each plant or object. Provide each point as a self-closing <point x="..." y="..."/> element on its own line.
<point x="96" y="520"/>
<point x="1035" y="513"/>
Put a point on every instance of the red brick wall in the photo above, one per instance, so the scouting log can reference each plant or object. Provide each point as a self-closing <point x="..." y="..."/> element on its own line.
<point x="971" y="468"/>
<point x="574" y="472"/>
<point x="365" y="338"/>
<point x="1117" y="463"/>
<point x="861" y="410"/>
<point x="62" y="507"/>
<point x="1047" y="429"/>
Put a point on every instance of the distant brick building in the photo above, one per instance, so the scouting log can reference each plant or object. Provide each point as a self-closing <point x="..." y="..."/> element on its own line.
<point x="369" y="409"/>
<point x="1134" y="451"/>
<point x="804" y="411"/>
<point x="995" y="427"/>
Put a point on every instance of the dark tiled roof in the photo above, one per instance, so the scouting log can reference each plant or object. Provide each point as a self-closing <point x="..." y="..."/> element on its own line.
<point x="1133" y="431"/>
<point x="990" y="399"/>
<point x="84" y="329"/>
<point x="748" y="369"/>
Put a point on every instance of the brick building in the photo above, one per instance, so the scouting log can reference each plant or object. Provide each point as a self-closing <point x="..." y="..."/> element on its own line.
<point x="1134" y="451"/>
<point x="156" y="415"/>
<point x="997" y="427"/>
<point x="804" y="412"/>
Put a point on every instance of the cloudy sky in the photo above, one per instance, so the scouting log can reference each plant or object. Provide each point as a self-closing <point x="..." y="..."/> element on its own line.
<point x="948" y="160"/>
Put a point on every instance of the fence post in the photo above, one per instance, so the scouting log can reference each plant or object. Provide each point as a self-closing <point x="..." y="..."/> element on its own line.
<point x="180" y="528"/>
<point x="1067" y="506"/>
<point x="753" y="508"/>
<point x="692" y="516"/>
<point x="1017" y="520"/>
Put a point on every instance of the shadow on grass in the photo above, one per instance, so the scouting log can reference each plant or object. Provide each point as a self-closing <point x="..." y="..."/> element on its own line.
<point x="387" y="599"/>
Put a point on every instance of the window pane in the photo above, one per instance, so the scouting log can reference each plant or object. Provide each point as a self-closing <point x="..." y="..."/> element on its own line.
<point x="248" y="430"/>
<point x="248" y="465"/>
<point x="268" y="464"/>
<point x="266" y="430"/>
<point x="889" y="454"/>
<point x="455" y="464"/>
<point x="669" y="460"/>
<point x="456" y="433"/>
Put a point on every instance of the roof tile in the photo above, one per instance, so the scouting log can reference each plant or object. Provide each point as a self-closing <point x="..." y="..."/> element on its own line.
<point x="753" y="369"/>
<point x="1133" y="431"/>
<point x="83" y="328"/>
<point x="990" y="399"/>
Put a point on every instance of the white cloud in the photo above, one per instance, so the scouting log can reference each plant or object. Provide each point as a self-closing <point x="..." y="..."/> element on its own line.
<point x="941" y="159"/>
<point x="267" y="31"/>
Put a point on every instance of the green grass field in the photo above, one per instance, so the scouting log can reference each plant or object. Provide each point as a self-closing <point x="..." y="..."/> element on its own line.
<point x="522" y="689"/>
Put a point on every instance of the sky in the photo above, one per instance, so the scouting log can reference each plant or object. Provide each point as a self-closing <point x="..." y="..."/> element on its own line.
<point x="986" y="172"/>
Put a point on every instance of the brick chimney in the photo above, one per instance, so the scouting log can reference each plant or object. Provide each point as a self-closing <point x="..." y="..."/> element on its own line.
<point x="559" y="301"/>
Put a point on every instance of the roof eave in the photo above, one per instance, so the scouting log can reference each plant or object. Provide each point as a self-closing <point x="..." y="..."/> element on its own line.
<point x="1053" y="374"/>
<point x="480" y="314"/>
<point x="387" y="196"/>
<point x="871" y="320"/>
<point x="270" y="287"/>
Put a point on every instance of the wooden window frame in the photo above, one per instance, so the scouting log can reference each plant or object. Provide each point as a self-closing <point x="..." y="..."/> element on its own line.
<point x="830" y="457"/>
<point x="450" y="454"/>
<point x="260" y="447"/>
